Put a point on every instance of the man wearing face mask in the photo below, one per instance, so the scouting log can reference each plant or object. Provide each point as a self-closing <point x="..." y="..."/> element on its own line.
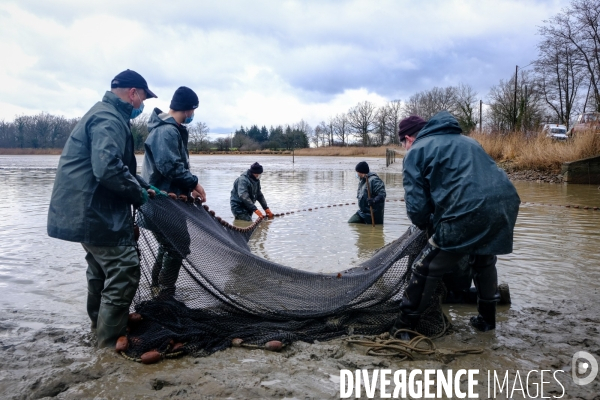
<point x="246" y="191"/>
<point x="95" y="186"/>
<point x="373" y="197"/>
<point x="167" y="166"/>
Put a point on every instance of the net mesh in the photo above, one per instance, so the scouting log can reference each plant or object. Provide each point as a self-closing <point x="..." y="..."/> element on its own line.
<point x="224" y="292"/>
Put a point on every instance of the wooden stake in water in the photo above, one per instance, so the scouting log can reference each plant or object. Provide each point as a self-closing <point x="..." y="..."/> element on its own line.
<point x="368" y="197"/>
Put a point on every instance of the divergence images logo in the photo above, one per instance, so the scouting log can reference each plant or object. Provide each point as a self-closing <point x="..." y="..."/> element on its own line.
<point x="579" y="368"/>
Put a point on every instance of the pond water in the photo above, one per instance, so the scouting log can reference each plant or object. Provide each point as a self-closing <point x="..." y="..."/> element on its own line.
<point x="556" y="248"/>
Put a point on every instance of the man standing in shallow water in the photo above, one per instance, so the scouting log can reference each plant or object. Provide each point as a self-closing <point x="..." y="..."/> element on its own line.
<point x="467" y="205"/>
<point x="95" y="186"/>
<point x="370" y="195"/>
<point x="246" y="191"/>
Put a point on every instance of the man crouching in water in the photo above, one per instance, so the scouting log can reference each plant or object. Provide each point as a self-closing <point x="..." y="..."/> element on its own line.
<point x="456" y="192"/>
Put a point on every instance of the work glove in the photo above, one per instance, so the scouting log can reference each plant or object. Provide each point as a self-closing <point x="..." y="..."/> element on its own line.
<point x="143" y="200"/>
<point x="260" y="215"/>
<point x="158" y="192"/>
<point x="269" y="213"/>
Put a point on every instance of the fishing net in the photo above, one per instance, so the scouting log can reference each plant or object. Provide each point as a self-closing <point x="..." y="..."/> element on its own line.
<point x="224" y="292"/>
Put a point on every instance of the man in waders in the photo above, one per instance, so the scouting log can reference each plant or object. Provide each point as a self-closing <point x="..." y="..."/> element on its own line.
<point x="370" y="195"/>
<point x="467" y="205"/>
<point x="246" y="191"/>
<point x="94" y="190"/>
<point x="167" y="166"/>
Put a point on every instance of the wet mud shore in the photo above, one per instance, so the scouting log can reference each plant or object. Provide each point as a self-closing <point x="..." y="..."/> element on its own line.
<point x="44" y="358"/>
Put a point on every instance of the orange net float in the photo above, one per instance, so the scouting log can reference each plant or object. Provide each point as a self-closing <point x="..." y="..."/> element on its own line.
<point x="122" y="344"/>
<point x="151" y="357"/>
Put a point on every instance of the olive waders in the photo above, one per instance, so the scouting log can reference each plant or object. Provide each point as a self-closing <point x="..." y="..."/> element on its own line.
<point x="113" y="275"/>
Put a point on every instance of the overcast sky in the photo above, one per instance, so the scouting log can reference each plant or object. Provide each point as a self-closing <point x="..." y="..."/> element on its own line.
<point x="259" y="62"/>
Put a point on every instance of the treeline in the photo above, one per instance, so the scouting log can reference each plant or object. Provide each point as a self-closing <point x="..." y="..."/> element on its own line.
<point x="561" y="83"/>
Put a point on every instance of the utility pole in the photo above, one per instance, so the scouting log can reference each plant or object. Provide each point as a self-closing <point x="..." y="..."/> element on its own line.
<point x="515" y="100"/>
<point x="480" y="114"/>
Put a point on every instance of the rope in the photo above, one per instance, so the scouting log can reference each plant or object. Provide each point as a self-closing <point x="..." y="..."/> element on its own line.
<point x="386" y="345"/>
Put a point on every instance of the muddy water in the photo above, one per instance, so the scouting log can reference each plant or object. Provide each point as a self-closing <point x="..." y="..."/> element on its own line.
<point x="46" y="350"/>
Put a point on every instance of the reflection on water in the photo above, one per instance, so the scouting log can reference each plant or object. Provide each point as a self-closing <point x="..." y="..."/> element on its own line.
<point x="555" y="254"/>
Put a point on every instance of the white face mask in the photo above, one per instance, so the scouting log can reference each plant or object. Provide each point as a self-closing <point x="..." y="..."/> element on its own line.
<point x="258" y="176"/>
<point x="357" y="177"/>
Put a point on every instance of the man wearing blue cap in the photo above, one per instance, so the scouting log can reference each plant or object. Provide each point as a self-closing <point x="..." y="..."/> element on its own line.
<point x="95" y="186"/>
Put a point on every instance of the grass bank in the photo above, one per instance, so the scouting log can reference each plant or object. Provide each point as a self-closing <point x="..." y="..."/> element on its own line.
<point x="515" y="152"/>
<point x="346" y="151"/>
<point x="25" y="151"/>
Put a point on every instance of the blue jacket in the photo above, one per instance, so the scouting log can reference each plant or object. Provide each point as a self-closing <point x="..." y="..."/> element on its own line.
<point x="96" y="182"/>
<point x="246" y="191"/>
<point x="166" y="161"/>
<point x="455" y="188"/>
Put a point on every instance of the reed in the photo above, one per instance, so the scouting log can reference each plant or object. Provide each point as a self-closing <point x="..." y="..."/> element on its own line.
<point x="28" y="151"/>
<point x="537" y="152"/>
<point x="345" y="151"/>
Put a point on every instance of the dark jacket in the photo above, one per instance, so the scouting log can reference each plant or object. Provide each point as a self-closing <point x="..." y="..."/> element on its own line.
<point x="95" y="183"/>
<point x="166" y="161"/>
<point x="377" y="188"/>
<point x="246" y="191"/>
<point x="453" y="185"/>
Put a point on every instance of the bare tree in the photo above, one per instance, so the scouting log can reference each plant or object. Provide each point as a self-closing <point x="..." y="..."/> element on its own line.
<point x="327" y="128"/>
<point x="529" y="109"/>
<point x="465" y="105"/>
<point x="198" y="139"/>
<point x="362" y="120"/>
<point x="381" y="130"/>
<point x="429" y="102"/>
<point x="394" y="115"/>
<point x="341" y="127"/>
<point x="578" y="25"/>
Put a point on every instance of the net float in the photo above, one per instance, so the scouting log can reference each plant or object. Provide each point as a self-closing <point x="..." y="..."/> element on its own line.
<point x="172" y="195"/>
<point x="177" y="347"/>
<point x="122" y="344"/>
<point x="237" y="342"/>
<point x="218" y="219"/>
<point x="151" y="357"/>
<point x="339" y="275"/>
<point x="182" y="197"/>
<point x="134" y="319"/>
<point x="205" y="207"/>
<point x="274" y="345"/>
<point x="211" y="212"/>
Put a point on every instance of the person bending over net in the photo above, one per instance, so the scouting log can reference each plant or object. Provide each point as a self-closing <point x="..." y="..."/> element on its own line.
<point x="467" y="205"/>
<point x="246" y="191"/>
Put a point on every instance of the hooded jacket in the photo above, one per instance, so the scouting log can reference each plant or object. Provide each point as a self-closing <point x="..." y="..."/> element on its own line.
<point x="377" y="188"/>
<point x="96" y="182"/>
<point x="455" y="188"/>
<point x="166" y="161"/>
<point x="246" y="191"/>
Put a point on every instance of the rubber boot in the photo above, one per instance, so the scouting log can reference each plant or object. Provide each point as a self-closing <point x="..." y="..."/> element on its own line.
<point x="417" y="298"/>
<point x="405" y="321"/>
<point x="93" y="301"/>
<point x="112" y="323"/>
<point x="169" y="274"/>
<point x="486" y="320"/>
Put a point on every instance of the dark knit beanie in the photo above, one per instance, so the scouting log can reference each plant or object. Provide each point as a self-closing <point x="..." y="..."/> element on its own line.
<point x="362" y="167"/>
<point x="410" y="126"/>
<point x="184" y="99"/>
<point x="256" y="168"/>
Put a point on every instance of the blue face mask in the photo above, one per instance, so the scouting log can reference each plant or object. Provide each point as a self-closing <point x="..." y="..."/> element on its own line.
<point x="188" y="120"/>
<point x="357" y="177"/>
<point x="137" y="111"/>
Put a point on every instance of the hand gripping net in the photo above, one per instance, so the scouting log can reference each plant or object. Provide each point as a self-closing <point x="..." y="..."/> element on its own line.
<point x="223" y="291"/>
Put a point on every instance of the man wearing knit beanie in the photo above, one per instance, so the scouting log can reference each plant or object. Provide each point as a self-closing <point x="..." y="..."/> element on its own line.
<point x="167" y="167"/>
<point x="466" y="204"/>
<point x="246" y="191"/>
<point x="374" y="197"/>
